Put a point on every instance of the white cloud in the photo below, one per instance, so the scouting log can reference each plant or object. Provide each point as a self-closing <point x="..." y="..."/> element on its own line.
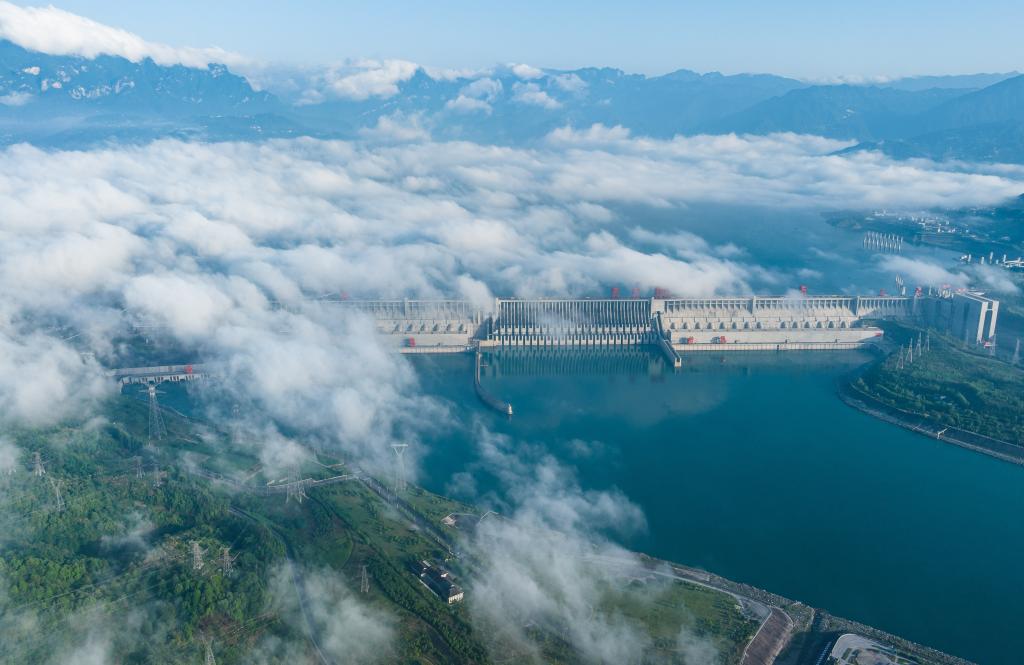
<point x="569" y="82"/>
<point x="476" y="96"/>
<point x="923" y="272"/>
<point x="58" y="32"/>
<point x="9" y="456"/>
<point x="15" y="99"/>
<point x="203" y="237"/>
<point x="484" y="88"/>
<point x="464" y="104"/>
<point x="361" y="79"/>
<point x="396" y="128"/>
<point x="526" y="72"/>
<point x="348" y="629"/>
<point x="530" y="93"/>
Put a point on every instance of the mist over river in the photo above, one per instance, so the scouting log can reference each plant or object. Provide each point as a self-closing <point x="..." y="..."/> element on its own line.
<point x="747" y="464"/>
<point x="750" y="467"/>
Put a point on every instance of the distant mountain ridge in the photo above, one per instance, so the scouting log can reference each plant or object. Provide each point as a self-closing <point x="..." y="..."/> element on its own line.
<point x="69" y="101"/>
<point x="116" y="84"/>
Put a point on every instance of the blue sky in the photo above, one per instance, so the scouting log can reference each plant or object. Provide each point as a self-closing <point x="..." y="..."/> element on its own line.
<point x="793" y="37"/>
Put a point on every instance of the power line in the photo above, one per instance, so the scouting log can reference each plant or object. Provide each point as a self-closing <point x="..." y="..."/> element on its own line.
<point x="197" y="556"/>
<point x="399" y="450"/>
<point x="209" y="659"/>
<point x="157" y="428"/>
<point x="226" y="560"/>
<point x="58" y="499"/>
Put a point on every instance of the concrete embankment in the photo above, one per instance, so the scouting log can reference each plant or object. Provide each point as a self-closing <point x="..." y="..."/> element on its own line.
<point x="916" y="422"/>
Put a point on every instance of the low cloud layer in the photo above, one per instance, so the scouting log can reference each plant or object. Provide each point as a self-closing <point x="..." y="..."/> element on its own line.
<point x="205" y="240"/>
<point x="58" y="32"/>
<point x="549" y="566"/>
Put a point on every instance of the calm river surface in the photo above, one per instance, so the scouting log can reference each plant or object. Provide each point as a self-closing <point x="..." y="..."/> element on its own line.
<point x="752" y="468"/>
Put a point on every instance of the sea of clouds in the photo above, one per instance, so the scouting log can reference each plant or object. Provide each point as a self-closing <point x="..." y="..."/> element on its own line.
<point x="225" y="247"/>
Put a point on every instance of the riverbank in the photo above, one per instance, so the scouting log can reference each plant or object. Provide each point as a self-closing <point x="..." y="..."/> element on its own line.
<point x="933" y="386"/>
<point x="920" y="424"/>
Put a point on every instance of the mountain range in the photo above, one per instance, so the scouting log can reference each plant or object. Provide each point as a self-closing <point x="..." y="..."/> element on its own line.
<point x="69" y="101"/>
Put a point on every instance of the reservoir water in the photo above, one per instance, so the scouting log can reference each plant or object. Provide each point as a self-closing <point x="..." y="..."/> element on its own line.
<point x="750" y="467"/>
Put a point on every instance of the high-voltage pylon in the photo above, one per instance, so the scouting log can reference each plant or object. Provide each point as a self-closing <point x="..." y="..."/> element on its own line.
<point x="139" y="473"/>
<point x="226" y="560"/>
<point x="364" y="583"/>
<point x="157" y="428"/>
<point x="296" y="490"/>
<point x="399" y="449"/>
<point x="208" y="658"/>
<point x="58" y="500"/>
<point x="899" y="362"/>
<point x="910" y="352"/>
<point x="928" y="341"/>
<point x="918" y="345"/>
<point x="1016" y="353"/>
<point x="37" y="464"/>
<point x="197" y="556"/>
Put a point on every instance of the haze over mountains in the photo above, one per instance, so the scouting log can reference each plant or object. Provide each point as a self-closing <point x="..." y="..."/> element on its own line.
<point x="72" y="101"/>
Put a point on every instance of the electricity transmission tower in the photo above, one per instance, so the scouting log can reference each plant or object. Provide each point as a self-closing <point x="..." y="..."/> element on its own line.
<point x="1016" y="353"/>
<point x="899" y="363"/>
<point x="58" y="499"/>
<point x="209" y="659"/>
<point x="928" y="341"/>
<point x="139" y="473"/>
<point x="197" y="556"/>
<point x="226" y="560"/>
<point x="918" y="345"/>
<point x="157" y="428"/>
<point x="364" y="583"/>
<point x="296" y="490"/>
<point x="37" y="464"/>
<point x="399" y="449"/>
<point x="910" y="352"/>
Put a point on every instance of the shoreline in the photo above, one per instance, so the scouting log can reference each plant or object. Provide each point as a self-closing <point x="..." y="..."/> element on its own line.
<point x="919" y="423"/>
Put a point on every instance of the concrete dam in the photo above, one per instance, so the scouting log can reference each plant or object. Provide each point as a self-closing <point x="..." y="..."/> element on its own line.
<point x="517" y="333"/>
<point x="676" y="325"/>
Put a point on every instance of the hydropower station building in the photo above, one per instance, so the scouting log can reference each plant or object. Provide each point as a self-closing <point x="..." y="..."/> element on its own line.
<point x="678" y="325"/>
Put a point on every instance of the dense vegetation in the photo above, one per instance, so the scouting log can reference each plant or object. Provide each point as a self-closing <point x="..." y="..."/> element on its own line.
<point x="952" y="386"/>
<point x="107" y="571"/>
<point x="116" y="549"/>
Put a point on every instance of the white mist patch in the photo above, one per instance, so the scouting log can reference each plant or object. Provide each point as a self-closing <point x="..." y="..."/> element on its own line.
<point x="219" y="244"/>
<point x="347" y="628"/>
